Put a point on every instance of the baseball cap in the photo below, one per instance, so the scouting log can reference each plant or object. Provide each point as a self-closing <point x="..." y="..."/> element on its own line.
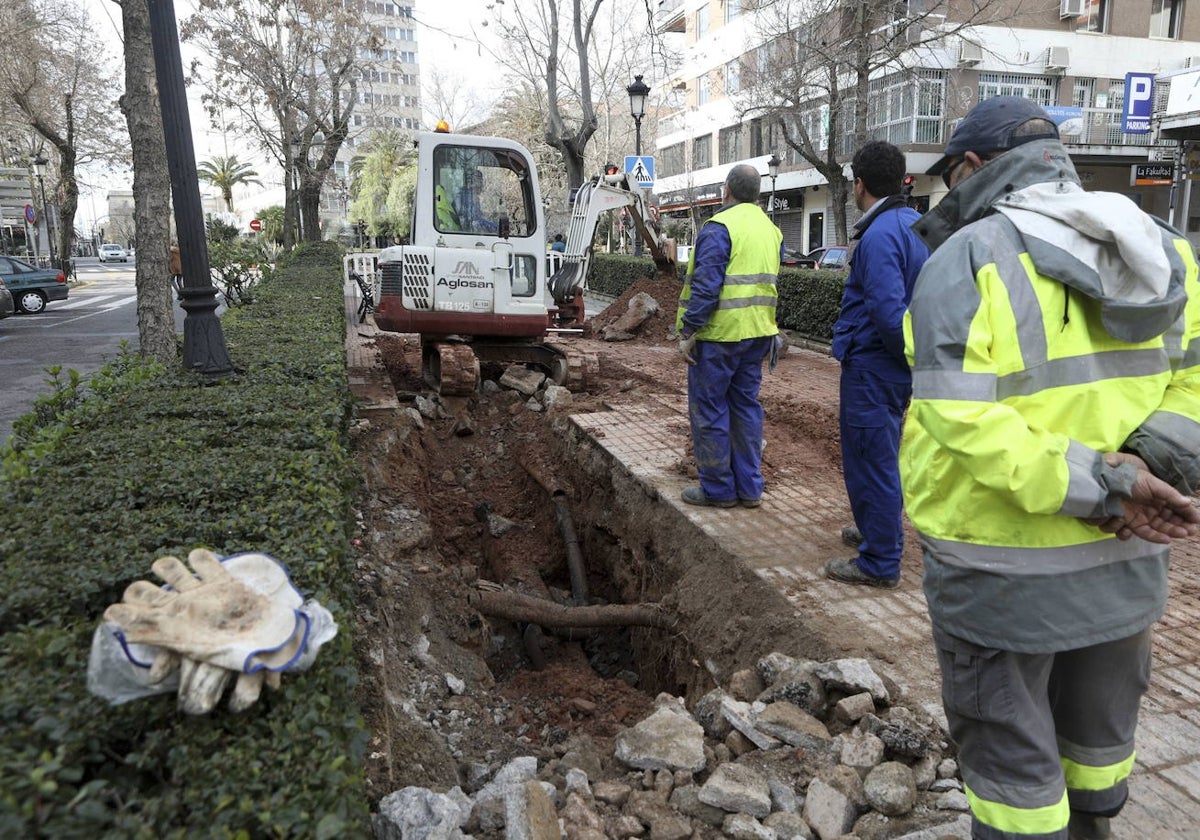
<point x="989" y="127"/>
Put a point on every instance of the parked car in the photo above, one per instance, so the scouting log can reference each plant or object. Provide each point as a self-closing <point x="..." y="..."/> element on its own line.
<point x="31" y="287"/>
<point x="831" y="257"/>
<point x="7" y="307"/>
<point x="114" y="252"/>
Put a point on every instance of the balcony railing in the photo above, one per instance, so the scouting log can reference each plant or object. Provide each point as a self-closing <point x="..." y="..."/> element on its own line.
<point x="1102" y="127"/>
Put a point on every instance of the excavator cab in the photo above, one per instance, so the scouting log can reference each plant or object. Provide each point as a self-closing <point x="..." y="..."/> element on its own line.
<point x="475" y="266"/>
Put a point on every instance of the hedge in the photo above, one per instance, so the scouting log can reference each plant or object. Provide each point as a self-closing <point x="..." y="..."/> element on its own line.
<point x="153" y="461"/>
<point x="809" y="299"/>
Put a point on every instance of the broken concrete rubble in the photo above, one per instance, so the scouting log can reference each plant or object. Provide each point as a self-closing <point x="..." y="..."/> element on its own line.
<point x="642" y="307"/>
<point x="818" y="777"/>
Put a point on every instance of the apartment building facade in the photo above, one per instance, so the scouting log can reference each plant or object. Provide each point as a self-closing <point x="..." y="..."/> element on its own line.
<point x="1074" y="57"/>
<point x="389" y="97"/>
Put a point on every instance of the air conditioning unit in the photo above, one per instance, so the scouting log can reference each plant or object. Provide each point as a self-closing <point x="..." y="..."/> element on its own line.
<point x="969" y="54"/>
<point x="1057" y="58"/>
<point x="1070" y="8"/>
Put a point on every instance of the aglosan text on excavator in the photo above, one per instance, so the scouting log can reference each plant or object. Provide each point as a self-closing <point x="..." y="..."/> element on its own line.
<point x="475" y="283"/>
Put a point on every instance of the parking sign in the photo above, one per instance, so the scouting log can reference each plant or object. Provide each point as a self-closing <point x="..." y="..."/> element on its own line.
<point x="1139" y="102"/>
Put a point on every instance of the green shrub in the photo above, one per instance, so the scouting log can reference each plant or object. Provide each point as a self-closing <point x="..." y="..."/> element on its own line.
<point x="145" y="461"/>
<point x="809" y="301"/>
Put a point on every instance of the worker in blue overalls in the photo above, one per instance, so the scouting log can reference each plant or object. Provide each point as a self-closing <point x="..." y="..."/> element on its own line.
<point x="726" y="325"/>
<point x="876" y="383"/>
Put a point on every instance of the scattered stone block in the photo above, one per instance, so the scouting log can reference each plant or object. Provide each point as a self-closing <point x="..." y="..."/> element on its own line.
<point x="737" y="788"/>
<point x="668" y="739"/>
<point x="891" y="789"/>
<point x="861" y="750"/>
<point x="419" y="812"/>
<point x="523" y="380"/>
<point x="612" y="793"/>
<point x="852" y="709"/>
<point x="788" y="826"/>
<point x="745" y="827"/>
<point x="686" y="801"/>
<point x="852" y="676"/>
<point x="791" y="724"/>
<point x="745" y="685"/>
<point x="827" y="810"/>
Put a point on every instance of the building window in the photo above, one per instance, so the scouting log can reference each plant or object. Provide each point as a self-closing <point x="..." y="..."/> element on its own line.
<point x="733" y="77"/>
<point x="1094" y="17"/>
<point x="1081" y="93"/>
<point x="730" y="144"/>
<point x="702" y="90"/>
<point x="1041" y="89"/>
<point x="702" y="22"/>
<point x="733" y="10"/>
<point x="1164" y="18"/>
<point x="670" y="161"/>
<point x="702" y="152"/>
<point x="756" y="138"/>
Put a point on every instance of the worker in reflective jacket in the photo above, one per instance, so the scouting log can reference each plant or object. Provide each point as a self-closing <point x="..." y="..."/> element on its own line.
<point x="1047" y="460"/>
<point x="726" y="325"/>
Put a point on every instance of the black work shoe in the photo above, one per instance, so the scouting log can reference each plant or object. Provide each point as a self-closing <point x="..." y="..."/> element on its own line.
<point x="751" y="503"/>
<point x="1088" y="827"/>
<point x="847" y="571"/>
<point x="695" y="496"/>
<point x="851" y="536"/>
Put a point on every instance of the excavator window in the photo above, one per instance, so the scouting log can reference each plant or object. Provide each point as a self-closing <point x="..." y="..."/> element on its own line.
<point x="480" y="190"/>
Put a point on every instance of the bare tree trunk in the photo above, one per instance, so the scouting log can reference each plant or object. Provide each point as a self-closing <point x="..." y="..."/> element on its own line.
<point x="151" y="188"/>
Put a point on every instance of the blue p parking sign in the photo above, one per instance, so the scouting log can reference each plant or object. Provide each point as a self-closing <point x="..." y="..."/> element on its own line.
<point x="1139" y="102"/>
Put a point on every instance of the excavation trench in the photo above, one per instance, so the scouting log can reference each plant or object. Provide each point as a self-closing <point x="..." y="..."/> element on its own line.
<point x="488" y="532"/>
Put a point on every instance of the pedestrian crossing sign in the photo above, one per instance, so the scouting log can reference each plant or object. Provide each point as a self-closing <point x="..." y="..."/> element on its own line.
<point x="640" y="169"/>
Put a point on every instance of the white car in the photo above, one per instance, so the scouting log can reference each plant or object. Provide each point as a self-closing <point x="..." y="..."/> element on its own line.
<point x="110" y="251"/>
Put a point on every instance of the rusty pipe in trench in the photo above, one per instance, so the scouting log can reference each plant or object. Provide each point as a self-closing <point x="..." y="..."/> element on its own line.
<point x="576" y="566"/>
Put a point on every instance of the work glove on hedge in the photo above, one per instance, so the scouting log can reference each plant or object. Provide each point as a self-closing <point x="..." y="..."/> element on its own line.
<point x="241" y="618"/>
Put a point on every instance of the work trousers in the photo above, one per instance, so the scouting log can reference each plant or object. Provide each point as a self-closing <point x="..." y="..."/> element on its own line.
<point x="1042" y="735"/>
<point x="870" y="413"/>
<point x="726" y="416"/>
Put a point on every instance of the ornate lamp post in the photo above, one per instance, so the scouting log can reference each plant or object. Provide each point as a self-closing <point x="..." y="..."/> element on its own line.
<point x="204" y="349"/>
<point x="773" y="171"/>
<point x="39" y="169"/>
<point x="638" y="91"/>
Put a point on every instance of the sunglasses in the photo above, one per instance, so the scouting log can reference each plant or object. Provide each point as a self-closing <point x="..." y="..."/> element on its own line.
<point x="948" y="172"/>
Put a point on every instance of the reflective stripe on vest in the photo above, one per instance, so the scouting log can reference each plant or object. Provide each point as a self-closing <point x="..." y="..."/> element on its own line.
<point x="746" y="304"/>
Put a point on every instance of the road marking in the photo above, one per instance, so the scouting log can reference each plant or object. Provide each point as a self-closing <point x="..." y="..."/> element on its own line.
<point x="86" y="300"/>
<point x="106" y="308"/>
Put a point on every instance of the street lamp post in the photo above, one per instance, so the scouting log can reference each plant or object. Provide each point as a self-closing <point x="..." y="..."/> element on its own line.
<point x="204" y="349"/>
<point x="773" y="170"/>
<point x="39" y="169"/>
<point x="638" y="91"/>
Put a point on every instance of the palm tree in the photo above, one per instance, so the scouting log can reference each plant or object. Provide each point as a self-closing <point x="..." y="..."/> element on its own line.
<point x="225" y="173"/>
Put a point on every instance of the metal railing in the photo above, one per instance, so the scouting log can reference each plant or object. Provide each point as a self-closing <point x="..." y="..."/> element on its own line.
<point x="1102" y="127"/>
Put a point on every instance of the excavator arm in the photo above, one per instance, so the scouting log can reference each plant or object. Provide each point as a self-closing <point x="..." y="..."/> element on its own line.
<point x="600" y="195"/>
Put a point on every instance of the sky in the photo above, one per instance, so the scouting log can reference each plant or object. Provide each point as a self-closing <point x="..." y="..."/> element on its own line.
<point x="453" y="37"/>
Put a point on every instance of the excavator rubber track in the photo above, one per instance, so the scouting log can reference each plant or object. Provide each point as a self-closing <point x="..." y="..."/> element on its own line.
<point x="574" y="369"/>
<point x="450" y="369"/>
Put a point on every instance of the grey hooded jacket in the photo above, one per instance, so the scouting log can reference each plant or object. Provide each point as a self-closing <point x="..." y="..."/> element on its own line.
<point x="999" y="500"/>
